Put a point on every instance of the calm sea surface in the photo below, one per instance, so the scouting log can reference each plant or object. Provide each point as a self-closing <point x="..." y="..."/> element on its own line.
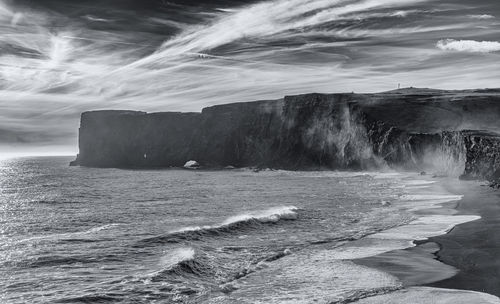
<point x="71" y="234"/>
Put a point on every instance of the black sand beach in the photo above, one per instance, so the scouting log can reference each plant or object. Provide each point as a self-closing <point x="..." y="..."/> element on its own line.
<point x="473" y="247"/>
<point x="466" y="258"/>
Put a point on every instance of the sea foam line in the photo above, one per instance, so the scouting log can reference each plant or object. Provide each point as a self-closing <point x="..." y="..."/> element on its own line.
<point x="424" y="226"/>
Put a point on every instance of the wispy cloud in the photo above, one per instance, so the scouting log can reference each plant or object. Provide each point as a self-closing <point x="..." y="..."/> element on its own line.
<point x="468" y="46"/>
<point x="481" y="16"/>
<point x="266" y="19"/>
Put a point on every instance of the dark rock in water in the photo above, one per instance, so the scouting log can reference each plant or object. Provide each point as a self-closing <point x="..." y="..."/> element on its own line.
<point x="423" y="173"/>
<point x="414" y="129"/>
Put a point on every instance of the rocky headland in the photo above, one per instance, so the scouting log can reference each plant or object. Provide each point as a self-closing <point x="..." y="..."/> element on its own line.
<point x="444" y="132"/>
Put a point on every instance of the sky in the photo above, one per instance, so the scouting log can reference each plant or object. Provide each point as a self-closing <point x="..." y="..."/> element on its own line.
<point x="59" y="58"/>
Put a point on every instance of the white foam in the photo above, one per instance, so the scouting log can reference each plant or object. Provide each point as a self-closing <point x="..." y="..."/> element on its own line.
<point x="431" y="197"/>
<point x="380" y="175"/>
<point x="415" y="202"/>
<point x="368" y="247"/>
<point x="402" y="237"/>
<point x="426" y="295"/>
<point x="308" y="276"/>
<point x="425" y="227"/>
<point x="418" y="182"/>
<point x="100" y="228"/>
<point x="169" y="260"/>
<point x="191" y="228"/>
<point x="327" y="275"/>
<point x="176" y="256"/>
<point x="270" y="215"/>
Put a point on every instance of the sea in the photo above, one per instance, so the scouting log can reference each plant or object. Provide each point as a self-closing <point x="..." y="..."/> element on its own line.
<point x="87" y="235"/>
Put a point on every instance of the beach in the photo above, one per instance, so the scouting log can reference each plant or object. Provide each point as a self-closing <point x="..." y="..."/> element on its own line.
<point x="454" y="265"/>
<point x="474" y="247"/>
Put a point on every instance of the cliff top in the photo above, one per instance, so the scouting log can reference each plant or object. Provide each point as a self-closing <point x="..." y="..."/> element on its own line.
<point x="409" y="98"/>
<point x="429" y="91"/>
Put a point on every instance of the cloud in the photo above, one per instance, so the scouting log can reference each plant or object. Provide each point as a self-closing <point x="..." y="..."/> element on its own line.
<point x="468" y="46"/>
<point x="265" y="19"/>
<point x="481" y="17"/>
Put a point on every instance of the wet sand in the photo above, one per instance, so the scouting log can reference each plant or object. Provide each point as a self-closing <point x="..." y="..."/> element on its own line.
<point x="465" y="258"/>
<point x="412" y="266"/>
<point x="427" y="295"/>
<point x="474" y="247"/>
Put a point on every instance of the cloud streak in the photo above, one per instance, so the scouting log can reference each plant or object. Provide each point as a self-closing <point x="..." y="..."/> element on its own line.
<point x="482" y="16"/>
<point x="468" y="46"/>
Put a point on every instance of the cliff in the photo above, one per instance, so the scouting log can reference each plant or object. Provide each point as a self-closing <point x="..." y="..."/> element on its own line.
<point x="482" y="157"/>
<point x="418" y="129"/>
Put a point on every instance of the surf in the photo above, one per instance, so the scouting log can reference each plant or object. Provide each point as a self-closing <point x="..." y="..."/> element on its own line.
<point x="234" y="224"/>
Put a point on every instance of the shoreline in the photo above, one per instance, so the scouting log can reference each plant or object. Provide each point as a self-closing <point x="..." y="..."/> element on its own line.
<point x="473" y="247"/>
<point x="459" y="261"/>
<point x="394" y="265"/>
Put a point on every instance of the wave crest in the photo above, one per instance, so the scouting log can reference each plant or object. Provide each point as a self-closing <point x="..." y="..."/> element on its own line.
<point x="230" y="225"/>
<point x="181" y="262"/>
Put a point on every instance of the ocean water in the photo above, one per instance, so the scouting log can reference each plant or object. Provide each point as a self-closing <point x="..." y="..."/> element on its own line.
<point x="83" y="235"/>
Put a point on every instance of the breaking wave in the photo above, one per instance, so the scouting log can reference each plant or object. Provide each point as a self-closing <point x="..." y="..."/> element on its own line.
<point x="230" y="225"/>
<point x="180" y="261"/>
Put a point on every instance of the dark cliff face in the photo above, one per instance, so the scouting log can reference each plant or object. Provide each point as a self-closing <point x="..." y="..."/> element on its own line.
<point x="482" y="156"/>
<point x="411" y="129"/>
<point x="242" y="134"/>
<point x="136" y="139"/>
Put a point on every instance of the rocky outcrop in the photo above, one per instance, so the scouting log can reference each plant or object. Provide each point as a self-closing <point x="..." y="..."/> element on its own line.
<point x="410" y="128"/>
<point x="482" y="157"/>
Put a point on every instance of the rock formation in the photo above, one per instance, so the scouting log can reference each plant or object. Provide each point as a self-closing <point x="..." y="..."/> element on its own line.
<point x="482" y="157"/>
<point x="455" y="132"/>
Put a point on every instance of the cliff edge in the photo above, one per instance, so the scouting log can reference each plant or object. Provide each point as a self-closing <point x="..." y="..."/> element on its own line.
<point x="419" y="129"/>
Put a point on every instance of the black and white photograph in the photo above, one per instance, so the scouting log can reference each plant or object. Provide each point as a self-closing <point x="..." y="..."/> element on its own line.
<point x="250" y="151"/>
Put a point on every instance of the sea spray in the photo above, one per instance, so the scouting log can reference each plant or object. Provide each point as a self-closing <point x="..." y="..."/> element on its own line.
<point x="448" y="158"/>
<point x="327" y="131"/>
<point x="176" y="256"/>
<point x="231" y="225"/>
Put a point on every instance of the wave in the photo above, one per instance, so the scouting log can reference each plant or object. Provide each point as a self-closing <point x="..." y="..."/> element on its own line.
<point x="91" y="298"/>
<point x="181" y="262"/>
<point x="56" y="202"/>
<point x="71" y="236"/>
<point x="358" y="295"/>
<point x="58" y="260"/>
<point x="417" y="202"/>
<point x="231" y="225"/>
<point x="177" y="256"/>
